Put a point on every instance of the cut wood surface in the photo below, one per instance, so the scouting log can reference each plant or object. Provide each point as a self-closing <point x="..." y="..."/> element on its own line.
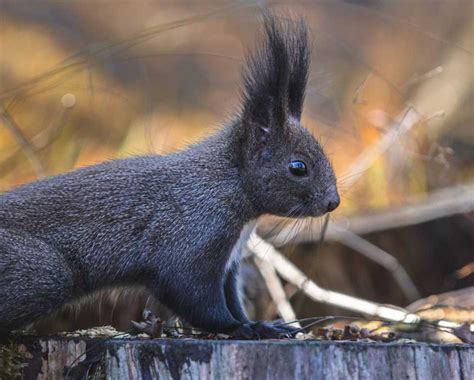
<point x="77" y="358"/>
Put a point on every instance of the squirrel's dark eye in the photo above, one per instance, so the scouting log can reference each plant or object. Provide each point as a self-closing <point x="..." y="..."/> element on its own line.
<point x="297" y="168"/>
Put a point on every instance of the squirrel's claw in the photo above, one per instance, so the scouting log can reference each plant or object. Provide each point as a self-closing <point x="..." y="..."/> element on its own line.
<point x="263" y="330"/>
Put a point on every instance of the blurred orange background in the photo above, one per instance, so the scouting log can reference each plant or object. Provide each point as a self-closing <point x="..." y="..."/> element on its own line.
<point x="86" y="81"/>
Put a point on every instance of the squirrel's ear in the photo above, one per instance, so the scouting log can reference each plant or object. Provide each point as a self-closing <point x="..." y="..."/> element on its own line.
<point x="275" y="77"/>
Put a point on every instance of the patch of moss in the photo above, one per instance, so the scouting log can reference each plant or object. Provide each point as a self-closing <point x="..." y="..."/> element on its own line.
<point x="12" y="360"/>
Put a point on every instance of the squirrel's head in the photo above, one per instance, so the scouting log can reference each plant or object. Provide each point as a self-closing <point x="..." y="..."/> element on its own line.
<point x="286" y="169"/>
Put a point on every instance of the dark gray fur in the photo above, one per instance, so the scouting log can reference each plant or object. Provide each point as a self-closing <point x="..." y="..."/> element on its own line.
<point x="170" y="222"/>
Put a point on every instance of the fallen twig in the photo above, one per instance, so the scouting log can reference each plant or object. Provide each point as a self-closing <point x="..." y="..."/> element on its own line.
<point x="291" y="273"/>
<point x="275" y="288"/>
<point x="382" y="258"/>
<point x="287" y="270"/>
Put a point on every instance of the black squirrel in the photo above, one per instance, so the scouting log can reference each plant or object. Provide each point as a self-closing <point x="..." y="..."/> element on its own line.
<point x="170" y="223"/>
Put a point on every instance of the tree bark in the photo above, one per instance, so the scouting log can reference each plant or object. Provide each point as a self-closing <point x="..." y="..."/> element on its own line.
<point x="80" y="358"/>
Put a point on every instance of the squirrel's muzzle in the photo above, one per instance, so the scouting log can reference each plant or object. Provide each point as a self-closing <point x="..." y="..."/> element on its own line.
<point x="332" y="199"/>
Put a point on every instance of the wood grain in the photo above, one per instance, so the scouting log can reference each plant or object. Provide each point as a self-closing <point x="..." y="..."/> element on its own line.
<point x="77" y="358"/>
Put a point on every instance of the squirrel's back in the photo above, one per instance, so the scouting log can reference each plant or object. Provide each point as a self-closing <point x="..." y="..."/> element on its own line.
<point x="123" y="213"/>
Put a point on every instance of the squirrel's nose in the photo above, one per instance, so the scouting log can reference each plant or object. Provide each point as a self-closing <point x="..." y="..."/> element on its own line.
<point x="333" y="199"/>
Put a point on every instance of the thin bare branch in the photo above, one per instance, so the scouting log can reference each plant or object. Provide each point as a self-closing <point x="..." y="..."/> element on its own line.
<point x="22" y="141"/>
<point x="292" y="274"/>
<point x="287" y="270"/>
<point x="382" y="258"/>
<point x="276" y="290"/>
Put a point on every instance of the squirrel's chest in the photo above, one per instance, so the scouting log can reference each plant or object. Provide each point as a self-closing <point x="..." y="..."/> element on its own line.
<point x="236" y="252"/>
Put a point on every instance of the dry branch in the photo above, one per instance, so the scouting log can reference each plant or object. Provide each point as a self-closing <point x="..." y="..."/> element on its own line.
<point x="276" y="290"/>
<point x="287" y="270"/>
<point x="382" y="258"/>
<point x="22" y="141"/>
<point x="455" y="298"/>
<point x="292" y="274"/>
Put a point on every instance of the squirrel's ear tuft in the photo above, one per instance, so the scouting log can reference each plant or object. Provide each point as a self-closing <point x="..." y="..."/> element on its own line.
<point x="276" y="74"/>
<point x="300" y="58"/>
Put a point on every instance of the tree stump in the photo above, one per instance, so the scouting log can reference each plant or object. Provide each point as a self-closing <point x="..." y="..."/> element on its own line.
<point x="85" y="358"/>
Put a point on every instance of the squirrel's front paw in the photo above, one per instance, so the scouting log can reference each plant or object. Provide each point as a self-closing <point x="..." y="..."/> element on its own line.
<point x="267" y="331"/>
<point x="261" y="330"/>
<point x="289" y="330"/>
<point x="245" y="332"/>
